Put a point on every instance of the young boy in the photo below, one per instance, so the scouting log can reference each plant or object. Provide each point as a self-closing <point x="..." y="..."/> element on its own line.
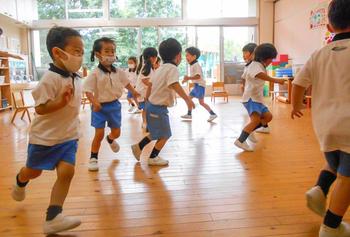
<point x="196" y="75"/>
<point x="327" y="71"/>
<point x="253" y="99"/>
<point x="54" y="134"/>
<point x="248" y="56"/>
<point x="161" y="94"/>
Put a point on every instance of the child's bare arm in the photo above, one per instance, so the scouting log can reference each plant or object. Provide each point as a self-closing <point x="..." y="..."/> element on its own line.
<point x="95" y="103"/>
<point x="57" y="104"/>
<point x="180" y="91"/>
<point x="265" y="77"/>
<point x="297" y="100"/>
<point x="188" y="78"/>
<point x="134" y="93"/>
<point x="146" y="81"/>
<point x="148" y="92"/>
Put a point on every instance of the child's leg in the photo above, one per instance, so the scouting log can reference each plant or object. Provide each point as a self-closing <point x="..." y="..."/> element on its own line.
<point x="326" y="179"/>
<point x="137" y="148"/>
<point x="26" y="174"/>
<point x="65" y="173"/>
<point x="158" y="147"/>
<point x="266" y="118"/>
<point x="114" y="134"/>
<point x="96" y="142"/>
<point x="206" y="106"/>
<point x="144" y="119"/>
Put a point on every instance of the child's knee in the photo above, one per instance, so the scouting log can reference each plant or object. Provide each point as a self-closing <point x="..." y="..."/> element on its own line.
<point x="115" y="132"/>
<point x="31" y="173"/>
<point x="66" y="174"/>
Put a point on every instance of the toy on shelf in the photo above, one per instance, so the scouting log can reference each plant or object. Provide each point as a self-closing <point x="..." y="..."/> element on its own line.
<point x="280" y="67"/>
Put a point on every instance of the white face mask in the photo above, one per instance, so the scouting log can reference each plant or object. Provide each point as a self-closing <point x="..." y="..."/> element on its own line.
<point x="131" y="66"/>
<point x="108" y="59"/>
<point x="72" y="63"/>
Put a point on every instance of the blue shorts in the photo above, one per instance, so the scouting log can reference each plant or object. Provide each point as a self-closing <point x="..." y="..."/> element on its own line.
<point x="47" y="157"/>
<point x="198" y="92"/>
<point x="158" y="123"/>
<point x="255" y="107"/>
<point x="142" y="105"/>
<point x="339" y="161"/>
<point x="110" y="113"/>
<point x="129" y="96"/>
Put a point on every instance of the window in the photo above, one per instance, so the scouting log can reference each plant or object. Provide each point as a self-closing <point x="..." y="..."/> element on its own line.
<point x="221" y="8"/>
<point x="78" y="9"/>
<point x="178" y="33"/>
<point x="145" y="8"/>
<point x="234" y="40"/>
<point x="51" y="9"/>
<point x="209" y="44"/>
<point x="149" y="37"/>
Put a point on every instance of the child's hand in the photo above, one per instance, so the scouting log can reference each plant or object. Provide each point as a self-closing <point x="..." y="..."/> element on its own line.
<point x="136" y="94"/>
<point x="296" y="113"/>
<point x="67" y="94"/>
<point x="96" y="107"/>
<point x="186" y="79"/>
<point x="280" y="81"/>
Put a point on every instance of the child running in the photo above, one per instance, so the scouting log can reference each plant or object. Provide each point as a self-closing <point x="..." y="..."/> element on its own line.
<point x="253" y="99"/>
<point x="165" y="82"/>
<point x="103" y="87"/>
<point x="196" y="75"/>
<point x="54" y="133"/>
<point x="132" y="76"/>
<point x="248" y="56"/>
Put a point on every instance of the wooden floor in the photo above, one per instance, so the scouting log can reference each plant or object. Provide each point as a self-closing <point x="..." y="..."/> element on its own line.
<point x="210" y="188"/>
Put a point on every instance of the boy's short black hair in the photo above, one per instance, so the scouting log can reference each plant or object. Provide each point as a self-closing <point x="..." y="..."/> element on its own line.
<point x="168" y="49"/>
<point x="194" y="51"/>
<point x="98" y="46"/>
<point x="58" y="36"/>
<point x="339" y="14"/>
<point x="264" y="52"/>
<point x="250" y="47"/>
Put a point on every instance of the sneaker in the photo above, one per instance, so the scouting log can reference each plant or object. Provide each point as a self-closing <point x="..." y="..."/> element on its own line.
<point x="158" y="161"/>
<point x="18" y="193"/>
<point x="131" y="109"/>
<point x="316" y="200"/>
<point x="114" y="146"/>
<point x="252" y="138"/>
<point x="93" y="164"/>
<point x="243" y="146"/>
<point x="60" y="223"/>
<point x="342" y="231"/>
<point x="212" y="117"/>
<point x="263" y="130"/>
<point x="186" y="116"/>
<point x="136" y="151"/>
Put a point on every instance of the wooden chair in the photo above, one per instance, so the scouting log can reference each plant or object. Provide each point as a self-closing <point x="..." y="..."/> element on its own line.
<point x="20" y="106"/>
<point x="84" y="100"/>
<point x="219" y="91"/>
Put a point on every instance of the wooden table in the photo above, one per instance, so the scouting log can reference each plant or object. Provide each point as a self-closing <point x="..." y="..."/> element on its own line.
<point x="280" y="98"/>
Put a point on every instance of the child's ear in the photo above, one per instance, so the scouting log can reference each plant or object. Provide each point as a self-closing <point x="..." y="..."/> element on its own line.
<point x="58" y="54"/>
<point x="330" y="28"/>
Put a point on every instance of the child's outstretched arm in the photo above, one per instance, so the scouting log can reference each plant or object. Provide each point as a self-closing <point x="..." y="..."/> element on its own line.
<point x="148" y="92"/>
<point x="134" y="93"/>
<point x="57" y="104"/>
<point x="188" y="78"/>
<point x="180" y="91"/>
<point x="265" y="77"/>
<point x="297" y="100"/>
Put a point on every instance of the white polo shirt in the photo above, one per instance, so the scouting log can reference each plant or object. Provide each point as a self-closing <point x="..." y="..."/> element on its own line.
<point x="166" y="75"/>
<point x="132" y="76"/>
<point x="141" y="88"/>
<point x="254" y="87"/>
<point x="196" y="69"/>
<point x="61" y="125"/>
<point x="328" y="72"/>
<point x="105" y="85"/>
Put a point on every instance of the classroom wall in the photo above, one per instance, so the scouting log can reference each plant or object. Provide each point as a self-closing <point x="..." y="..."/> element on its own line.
<point x="292" y="34"/>
<point x="266" y="21"/>
<point x="13" y="30"/>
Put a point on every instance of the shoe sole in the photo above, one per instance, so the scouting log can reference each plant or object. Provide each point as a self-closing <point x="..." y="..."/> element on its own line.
<point x="243" y="148"/>
<point x="158" y="164"/>
<point x="65" y="229"/>
<point x="309" y="203"/>
<point x="211" y="120"/>
<point x="93" y="169"/>
<point x="134" y="153"/>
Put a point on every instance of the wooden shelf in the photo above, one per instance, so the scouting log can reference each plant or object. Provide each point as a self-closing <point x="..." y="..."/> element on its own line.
<point x="8" y="107"/>
<point x="4" y="68"/>
<point x="5" y="84"/>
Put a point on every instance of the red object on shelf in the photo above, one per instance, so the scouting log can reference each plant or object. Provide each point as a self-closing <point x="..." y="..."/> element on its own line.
<point x="283" y="58"/>
<point x="275" y="63"/>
